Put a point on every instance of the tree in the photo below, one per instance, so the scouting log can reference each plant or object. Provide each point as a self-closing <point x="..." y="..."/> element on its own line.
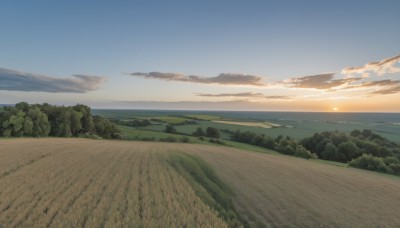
<point x="23" y="106"/>
<point x="369" y="162"/>
<point x="43" y="120"/>
<point x="76" y="124"/>
<point x="170" y="129"/>
<point x="199" y="132"/>
<point x="349" y="149"/>
<point x="329" y="152"/>
<point x="212" y="132"/>
<point x="28" y="127"/>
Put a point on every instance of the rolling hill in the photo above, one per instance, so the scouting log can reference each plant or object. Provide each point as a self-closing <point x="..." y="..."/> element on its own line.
<point x="81" y="182"/>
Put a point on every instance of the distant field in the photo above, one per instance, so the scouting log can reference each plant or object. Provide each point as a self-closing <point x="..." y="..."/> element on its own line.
<point x="294" y="124"/>
<point x="203" y="117"/>
<point x="134" y="133"/>
<point x="98" y="183"/>
<point x="170" y="119"/>
<point x="248" y="124"/>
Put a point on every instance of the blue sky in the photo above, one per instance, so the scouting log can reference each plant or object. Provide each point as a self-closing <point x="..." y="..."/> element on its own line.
<point x="273" y="40"/>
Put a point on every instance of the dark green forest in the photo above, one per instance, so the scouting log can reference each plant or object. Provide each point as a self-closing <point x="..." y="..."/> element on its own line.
<point x="42" y="120"/>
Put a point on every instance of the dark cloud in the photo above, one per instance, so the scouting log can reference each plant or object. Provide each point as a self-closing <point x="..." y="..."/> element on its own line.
<point x="248" y="95"/>
<point x="12" y="80"/>
<point x="222" y="79"/>
<point x="320" y="81"/>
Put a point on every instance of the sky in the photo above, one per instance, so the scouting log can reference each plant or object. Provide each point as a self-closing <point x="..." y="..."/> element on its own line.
<point x="202" y="55"/>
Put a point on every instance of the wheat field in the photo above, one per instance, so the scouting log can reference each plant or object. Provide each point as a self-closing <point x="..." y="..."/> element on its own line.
<point x="96" y="183"/>
<point x="88" y="183"/>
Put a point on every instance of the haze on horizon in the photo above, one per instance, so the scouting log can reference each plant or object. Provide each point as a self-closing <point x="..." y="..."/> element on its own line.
<point x="205" y="55"/>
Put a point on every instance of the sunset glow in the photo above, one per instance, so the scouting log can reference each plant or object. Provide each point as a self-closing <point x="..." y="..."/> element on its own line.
<point x="242" y="57"/>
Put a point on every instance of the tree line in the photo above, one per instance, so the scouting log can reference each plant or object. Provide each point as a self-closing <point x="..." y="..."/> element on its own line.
<point x="285" y="145"/>
<point x="361" y="149"/>
<point x="42" y="120"/>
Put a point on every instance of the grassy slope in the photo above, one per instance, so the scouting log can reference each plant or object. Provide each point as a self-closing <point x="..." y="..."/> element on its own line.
<point x="275" y="190"/>
<point x="287" y="191"/>
<point x="208" y="186"/>
<point x="131" y="133"/>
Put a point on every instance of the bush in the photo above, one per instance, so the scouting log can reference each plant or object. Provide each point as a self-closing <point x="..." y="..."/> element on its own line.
<point x="369" y="162"/>
<point x="170" y="129"/>
<point x="184" y="139"/>
<point x="147" y="139"/>
<point x="168" y="139"/>
<point x="303" y="152"/>
<point x="199" y="132"/>
<point x="212" y="132"/>
<point x="216" y="141"/>
<point x="90" y="136"/>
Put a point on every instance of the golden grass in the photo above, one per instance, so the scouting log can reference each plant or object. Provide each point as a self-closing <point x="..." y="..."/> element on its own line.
<point x="78" y="182"/>
<point x="283" y="191"/>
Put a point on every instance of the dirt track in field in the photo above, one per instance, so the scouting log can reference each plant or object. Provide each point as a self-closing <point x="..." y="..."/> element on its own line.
<point x="78" y="182"/>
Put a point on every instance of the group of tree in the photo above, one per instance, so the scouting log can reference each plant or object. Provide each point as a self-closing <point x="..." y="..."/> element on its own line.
<point x="284" y="145"/>
<point x="363" y="149"/>
<point x="50" y="120"/>
<point x="132" y="122"/>
<point x="210" y="132"/>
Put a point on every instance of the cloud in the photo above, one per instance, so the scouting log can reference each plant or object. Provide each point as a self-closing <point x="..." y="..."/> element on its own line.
<point x="222" y="79"/>
<point x="385" y="66"/>
<point x="387" y="82"/>
<point x="389" y="86"/>
<point x="391" y="90"/>
<point x="380" y="87"/>
<point x="247" y="95"/>
<point x="320" y="81"/>
<point x="13" y="80"/>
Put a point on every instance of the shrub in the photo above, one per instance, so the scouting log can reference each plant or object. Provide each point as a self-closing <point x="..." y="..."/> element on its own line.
<point x="369" y="162"/>
<point x="303" y="152"/>
<point x="184" y="139"/>
<point x="395" y="167"/>
<point x="168" y="139"/>
<point x="216" y="141"/>
<point x="170" y="129"/>
<point x="199" y="132"/>
<point x="212" y="132"/>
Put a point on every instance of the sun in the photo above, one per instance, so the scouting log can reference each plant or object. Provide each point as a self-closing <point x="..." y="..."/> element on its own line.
<point x="335" y="109"/>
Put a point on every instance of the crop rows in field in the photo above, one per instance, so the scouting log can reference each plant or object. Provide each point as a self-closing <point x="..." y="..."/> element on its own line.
<point x="96" y="183"/>
<point x="75" y="183"/>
